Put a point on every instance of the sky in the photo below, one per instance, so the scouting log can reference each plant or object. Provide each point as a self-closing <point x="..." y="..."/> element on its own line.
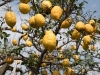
<point x="92" y="5"/>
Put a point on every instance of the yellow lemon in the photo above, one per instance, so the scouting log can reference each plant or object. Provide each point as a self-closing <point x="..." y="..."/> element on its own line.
<point x="36" y="54"/>
<point x="76" y="34"/>
<point x="24" y="1"/>
<point x="92" y="22"/>
<point x="73" y="47"/>
<point x="30" y="73"/>
<point x="56" y="72"/>
<point x="46" y="5"/>
<point x="87" y="39"/>
<point x="43" y="65"/>
<point x="18" y="61"/>
<point x="89" y="29"/>
<point x="24" y="8"/>
<point x="95" y="27"/>
<point x="32" y="22"/>
<point x="40" y="20"/>
<point x="25" y="37"/>
<point x="66" y="23"/>
<point x="14" y="42"/>
<point x="13" y="29"/>
<point x="83" y="71"/>
<point x="84" y="46"/>
<point x="56" y="12"/>
<point x="47" y="57"/>
<point x="92" y="47"/>
<point x="29" y="43"/>
<point x="66" y="62"/>
<point x="92" y="35"/>
<point x="61" y="51"/>
<point x="61" y="56"/>
<point x="69" y="71"/>
<point x="76" y="57"/>
<point x="10" y="18"/>
<point x="49" y="40"/>
<point x="25" y="27"/>
<point x="44" y="72"/>
<point x="79" y="26"/>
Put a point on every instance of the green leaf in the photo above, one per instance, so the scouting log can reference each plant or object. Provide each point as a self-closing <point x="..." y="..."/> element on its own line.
<point x="7" y="35"/>
<point x="37" y="0"/>
<point x="32" y="8"/>
<point x="24" y="62"/>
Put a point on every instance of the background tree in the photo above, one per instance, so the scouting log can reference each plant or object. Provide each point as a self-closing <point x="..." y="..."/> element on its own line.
<point x="59" y="38"/>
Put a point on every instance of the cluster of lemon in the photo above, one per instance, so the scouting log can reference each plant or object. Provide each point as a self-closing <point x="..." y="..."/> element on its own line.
<point x="37" y="21"/>
<point x="49" y="40"/>
<point x="89" y="30"/>
<point x="24" y="7"/>
<point x="69" y="71"/>
<point x="56" y="13"/>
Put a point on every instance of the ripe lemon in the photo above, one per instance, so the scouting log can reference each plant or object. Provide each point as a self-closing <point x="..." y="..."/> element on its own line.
<point x="76" y="34"/>
<point x="18" y="61"/>
<point x="66" y="23"/>
<point x="10" y="18"/>
<point x="92" y="47"/>
<point x="87" y="39"/>
<point x="49" y="40"/>
<point x="25" y="37"/>
<point x="84" y="46"/>
<point x="65" y="62"/>
<point x="14" y="42"/>
<point x="25" y="27"/>
<point x="36" y="54"/>
<point x="44" y="72"/>
<point x="46" y="5"/>
<point x="24" y="8"/>
<point x="95" y="27"/>
<point x="73" y="47"/>
<point x="43" y="65"/>
<point x="61" y="56"/>
<point x="47" y="58"/>
<point x="79" y="26"/>
<point x="32" y="22"/>
<point x="89" y="29"/>
<point x="92" y="35"/>
<point x="69" y="71"/>
<point x="9" y="60"/>
<point x="29" y="43"/>
<point x="83" y="71"/>
<point x="76" y="57"/>
<point x="61" y="51"/>
<point x="40" y="20"/>
<point x="13" y="29"/>
<point x="92" y="22"/>
<point x="24" y="1"/>
<point x="30" y="73"/>
<point x="56" y="72"/>
<point x="56" y="12"/>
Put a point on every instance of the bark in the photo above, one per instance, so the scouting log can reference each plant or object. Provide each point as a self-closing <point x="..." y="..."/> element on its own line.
<point x="3" y="69"/>
<point x="5" y="2"/>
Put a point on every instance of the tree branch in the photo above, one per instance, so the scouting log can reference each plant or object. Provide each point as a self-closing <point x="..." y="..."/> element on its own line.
<point x="5" y="2"/>
<point x="3" y="69"/>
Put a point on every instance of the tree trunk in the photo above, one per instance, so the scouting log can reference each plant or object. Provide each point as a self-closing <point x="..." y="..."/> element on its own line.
<point x="3" y="69"/>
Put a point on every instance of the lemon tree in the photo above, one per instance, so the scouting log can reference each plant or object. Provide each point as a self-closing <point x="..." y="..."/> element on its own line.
<point x="51" y="37"/>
